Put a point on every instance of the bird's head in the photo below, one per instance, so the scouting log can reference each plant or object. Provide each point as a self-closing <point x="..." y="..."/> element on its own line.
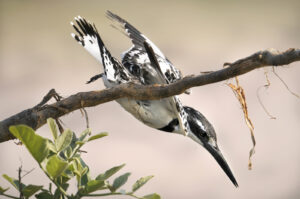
<point x="203" y="133"/>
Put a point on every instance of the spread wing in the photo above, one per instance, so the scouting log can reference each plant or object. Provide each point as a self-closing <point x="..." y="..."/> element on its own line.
<point x="137" y="55"/>
<point x="88" y="37"/>
<point x="135" y="35"/>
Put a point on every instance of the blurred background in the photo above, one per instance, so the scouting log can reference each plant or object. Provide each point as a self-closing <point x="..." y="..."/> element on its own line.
<point x="37" y="53"/>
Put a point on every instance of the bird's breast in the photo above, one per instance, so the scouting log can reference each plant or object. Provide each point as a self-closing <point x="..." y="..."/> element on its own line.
<point x="154" y="113"/>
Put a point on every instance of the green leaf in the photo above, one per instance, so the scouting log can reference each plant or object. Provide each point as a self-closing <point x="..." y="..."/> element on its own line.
<point x="120" y="181"/>
<point x="76" y="167"/>
<point x="109" y="173"/>
<point x="55" y="166"/>
<point x="81" y="170"/>
<point x="85" y="178"/>
<point x="84" y="171"/>
<point x="29" y="190"/>
<point x="73" y="167"/>
<point x="67" y="174"/>
<point x="64" y="140"/>
<point x="100" y="135"/>
<point x="152" y="196"/>
<point x="94" y="185"/>
<point x="65" y="186"/>
<point x="51" y="147"/>
<point x="14" y="182"/>
<point x="58" y="194"/>
<point x="73" y="142"/>
<point x="80" y="143"/>
<point x="2" y="190"/>
<point x="36" y="145"/>
<point x="52" y="125"/>
<point x="44" y="195"/>
<point x="139" y="183"/>
<point x="84" y="134"/>
<point x="68" y="152"/>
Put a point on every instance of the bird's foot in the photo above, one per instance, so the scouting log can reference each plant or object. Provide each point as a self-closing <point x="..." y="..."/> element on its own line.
<point x="94" y="78"/>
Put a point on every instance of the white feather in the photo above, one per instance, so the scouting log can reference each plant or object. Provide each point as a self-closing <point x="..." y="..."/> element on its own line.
<point x="91" y="45"/>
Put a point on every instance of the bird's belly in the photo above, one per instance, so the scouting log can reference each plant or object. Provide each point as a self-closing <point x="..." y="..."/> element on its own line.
<point x="154" y="113"/>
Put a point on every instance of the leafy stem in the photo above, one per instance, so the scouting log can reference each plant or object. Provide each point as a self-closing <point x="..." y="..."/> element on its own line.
<point x="110" y="194"/>
<point x="61" y="161"/>
<point x="56" y="184"/>
<point x="9" y="196"/>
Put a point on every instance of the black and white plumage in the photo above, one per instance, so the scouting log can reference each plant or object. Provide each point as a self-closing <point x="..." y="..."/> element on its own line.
<point x="136" y="59"/>
<point x="138" y="62"/>
<point x="156" y="114"/>
<point x="145" y="64"/>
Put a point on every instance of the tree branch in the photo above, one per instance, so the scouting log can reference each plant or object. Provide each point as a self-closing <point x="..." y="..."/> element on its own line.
<point x="37" y="116"/>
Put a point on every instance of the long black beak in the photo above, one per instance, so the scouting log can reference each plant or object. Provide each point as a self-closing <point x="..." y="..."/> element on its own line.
<point x="216" y="153"/>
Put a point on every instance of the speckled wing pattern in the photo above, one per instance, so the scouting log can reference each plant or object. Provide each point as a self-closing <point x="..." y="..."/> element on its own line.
<point x="137" y="53"/>
<point x="88" y="36"/>
<point x="138" y="63"/>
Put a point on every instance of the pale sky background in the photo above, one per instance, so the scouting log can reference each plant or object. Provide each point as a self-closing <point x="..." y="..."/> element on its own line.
<point x="37" y="53"/>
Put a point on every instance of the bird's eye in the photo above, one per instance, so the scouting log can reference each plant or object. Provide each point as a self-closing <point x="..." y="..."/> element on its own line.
<point x="204" y="135"/>
<point x="135" y="69"/>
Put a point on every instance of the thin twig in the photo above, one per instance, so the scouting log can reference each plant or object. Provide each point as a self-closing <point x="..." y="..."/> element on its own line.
<point x="9" y="196"/>
<point x="110" y="194"/>
<point x="28" y="172"/>
<point x="51" y="94"/>
<point x="20" y="182"/>
<point x="85" y="114"/>
<point x="60" y="127"/>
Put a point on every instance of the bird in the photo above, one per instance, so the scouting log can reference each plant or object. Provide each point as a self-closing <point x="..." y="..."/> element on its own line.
<point x="145" y="64"/>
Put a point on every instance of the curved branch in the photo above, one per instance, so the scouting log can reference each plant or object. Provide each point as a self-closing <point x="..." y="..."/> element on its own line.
<point x="37" y="116"/>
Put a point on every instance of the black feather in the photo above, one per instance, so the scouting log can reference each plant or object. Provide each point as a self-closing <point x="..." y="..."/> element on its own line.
<point x="133" y="33"/>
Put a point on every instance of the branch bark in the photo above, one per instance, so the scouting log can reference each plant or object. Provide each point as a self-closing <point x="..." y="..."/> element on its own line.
<point x="37" y="116"/>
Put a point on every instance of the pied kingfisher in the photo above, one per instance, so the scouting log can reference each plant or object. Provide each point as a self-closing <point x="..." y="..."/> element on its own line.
<point x="145" y="64"/>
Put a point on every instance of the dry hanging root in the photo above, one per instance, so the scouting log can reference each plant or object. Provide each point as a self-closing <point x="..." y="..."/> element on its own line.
<point x="286" y="86"/>
<point x="266" y="86"/>
<point x="240" y="94"/>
